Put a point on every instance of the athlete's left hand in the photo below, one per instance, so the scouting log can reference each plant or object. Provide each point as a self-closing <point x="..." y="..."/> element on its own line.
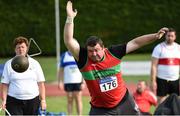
<point x="161" y="32"/>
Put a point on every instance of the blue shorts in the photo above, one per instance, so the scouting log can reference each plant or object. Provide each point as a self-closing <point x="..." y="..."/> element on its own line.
<point x="72" y="87"/>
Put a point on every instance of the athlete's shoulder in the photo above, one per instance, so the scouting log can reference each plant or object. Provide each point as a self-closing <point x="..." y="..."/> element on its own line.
<point x="118" y="50"/>
<point x="63" y="54"/>
<point x="66" y="54"/>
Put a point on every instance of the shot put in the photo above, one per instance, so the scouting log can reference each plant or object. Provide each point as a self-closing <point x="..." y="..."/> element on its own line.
<point x="20" y="63"/>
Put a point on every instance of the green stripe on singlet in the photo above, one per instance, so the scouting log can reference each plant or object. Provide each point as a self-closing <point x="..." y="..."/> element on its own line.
<point x="92" y="75"/>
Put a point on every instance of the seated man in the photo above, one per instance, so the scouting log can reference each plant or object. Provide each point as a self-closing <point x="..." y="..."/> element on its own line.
<point x="144" y="97"/>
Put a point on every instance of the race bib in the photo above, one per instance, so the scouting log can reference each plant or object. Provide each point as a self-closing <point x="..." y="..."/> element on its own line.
<point x="108" y="83"/>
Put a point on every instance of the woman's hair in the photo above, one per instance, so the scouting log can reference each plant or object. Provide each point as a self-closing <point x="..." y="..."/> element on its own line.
<point x="20" y="40"/>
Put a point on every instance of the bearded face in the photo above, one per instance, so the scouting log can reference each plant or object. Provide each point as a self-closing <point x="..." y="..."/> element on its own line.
<point x="141" y="86"/>
<point x="170" y="37"/>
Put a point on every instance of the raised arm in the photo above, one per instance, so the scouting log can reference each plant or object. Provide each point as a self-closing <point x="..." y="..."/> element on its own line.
<point x="143" y="40"/>
<point x="71" y="43"/>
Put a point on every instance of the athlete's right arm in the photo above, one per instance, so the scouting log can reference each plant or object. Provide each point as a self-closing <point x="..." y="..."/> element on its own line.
<point x="154" y="63"/>
<point x="71" y="43"/>
<point x="60" y="77"/>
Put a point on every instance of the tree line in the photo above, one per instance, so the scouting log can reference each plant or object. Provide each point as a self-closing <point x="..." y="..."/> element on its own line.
<point x="115" y="21"/>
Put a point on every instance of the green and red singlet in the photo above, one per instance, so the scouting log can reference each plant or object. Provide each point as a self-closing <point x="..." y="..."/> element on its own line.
<point x="104" y="80"/>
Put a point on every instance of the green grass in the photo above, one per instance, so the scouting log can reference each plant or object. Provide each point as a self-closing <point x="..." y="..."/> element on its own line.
<point x="59" y="104"/>
<point x="49" y="67"/>
<point x="49" y="64"/>
<point x="3" y="60"/>
<point x="135" y="79"/>
<point x="137" y="57"/>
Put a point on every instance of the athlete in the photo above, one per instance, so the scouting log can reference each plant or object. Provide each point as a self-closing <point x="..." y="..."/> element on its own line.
<point x="101" y="69"/>
<point x="73" y="82"/>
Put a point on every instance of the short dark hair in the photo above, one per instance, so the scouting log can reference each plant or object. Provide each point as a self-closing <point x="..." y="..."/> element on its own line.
<point x="20" y="40"/>
<point x="172" y="30"/>
<point x="93" y="40"/>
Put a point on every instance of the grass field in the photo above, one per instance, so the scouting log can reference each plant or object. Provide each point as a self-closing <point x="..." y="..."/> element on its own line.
<point x="137" y="57"/>
<point x="49" y="64"/>
<point x="58" y="104"/>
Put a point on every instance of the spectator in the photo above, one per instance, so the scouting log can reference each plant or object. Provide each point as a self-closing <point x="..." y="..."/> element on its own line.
<point x="23" y="93"/>
<point x="165" y="67"/>
<point x="144" y="97"/>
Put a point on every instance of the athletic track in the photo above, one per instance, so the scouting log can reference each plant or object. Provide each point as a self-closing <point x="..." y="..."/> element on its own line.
<point x="52" y="90"/>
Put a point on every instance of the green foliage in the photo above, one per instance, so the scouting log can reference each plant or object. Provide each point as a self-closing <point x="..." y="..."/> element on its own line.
<point x="29" y="18"/>
<point x="118" y="21"/>
<point x="115" y="21"/>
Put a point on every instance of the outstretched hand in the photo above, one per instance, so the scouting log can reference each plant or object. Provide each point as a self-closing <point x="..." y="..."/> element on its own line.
<point x="161" y="32"/>
<point x="70" y="11"/>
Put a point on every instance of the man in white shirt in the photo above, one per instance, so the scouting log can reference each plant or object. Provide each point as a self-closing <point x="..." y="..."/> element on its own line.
<point x="165" y="67"/>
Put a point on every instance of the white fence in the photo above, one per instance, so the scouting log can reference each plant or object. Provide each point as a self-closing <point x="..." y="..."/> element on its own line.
<point x="136" y="68"/>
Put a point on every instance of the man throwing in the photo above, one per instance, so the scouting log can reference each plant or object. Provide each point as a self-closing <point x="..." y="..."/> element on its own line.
<point x="101" y="69"/>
